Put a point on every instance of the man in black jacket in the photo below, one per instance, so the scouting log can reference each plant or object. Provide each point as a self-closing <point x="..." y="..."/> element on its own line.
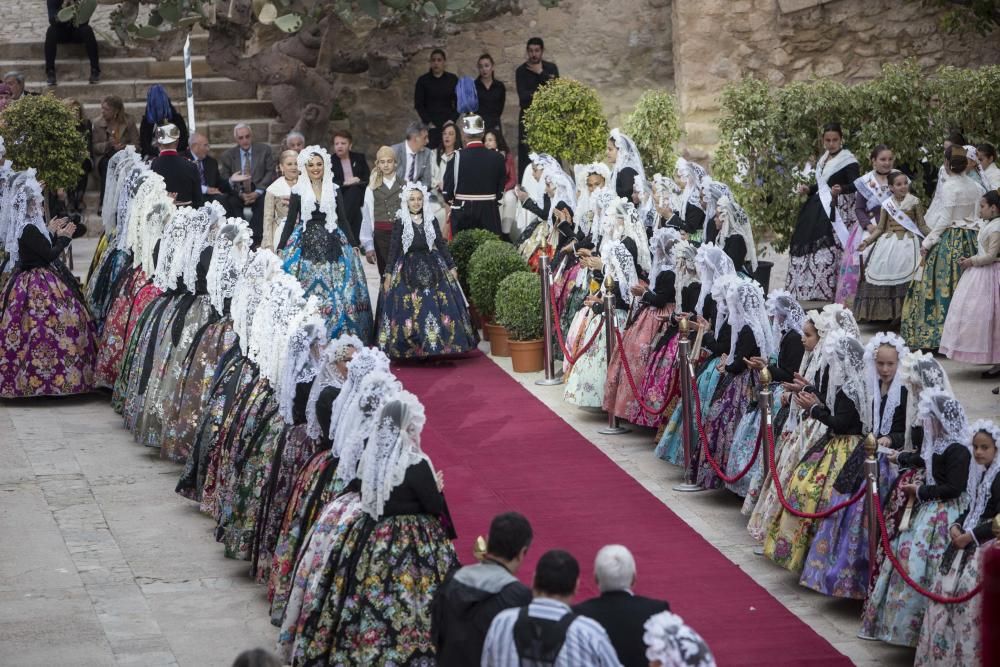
<point x="620" y="611"/>
<point x="213" y="186"/>
<point x="179" y="174"/>
<point x="474" y="180"/>
<point x="350" y="174"/>
<point x="533" y="73"/>
<point x="467" y="602"/>
<point x="435" y="99"/>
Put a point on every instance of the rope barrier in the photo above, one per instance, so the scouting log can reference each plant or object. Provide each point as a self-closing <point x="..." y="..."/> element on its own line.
<point x="631" y="380"/>
<point x="887" y="547"/>
<point x="704" y="442"/>
<point x="562" y="341"/>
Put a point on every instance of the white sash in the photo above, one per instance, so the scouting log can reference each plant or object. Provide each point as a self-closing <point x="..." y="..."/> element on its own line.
<point x="825" y="168"/>
<point x="897" y="214"/>
<point x="869" y="188"/>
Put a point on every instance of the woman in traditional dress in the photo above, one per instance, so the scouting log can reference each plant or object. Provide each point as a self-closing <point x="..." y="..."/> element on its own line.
<point x="824" y="221"/>
<point x="972" y="328"/>
<point x="48" y="343"/>
<point x="951" y="218"/>
<point x="549" y="231"/>
<point x="656" y="304"/>
<point x="627" y="175"/>
<point x="894" y="258"/>
<point x="277" y="197"/>
<point x="689" y="213"/>
<point x="894" y="612"/>
<point x="735" y="235"/>
<point x="317" y="248"/>
<point x="951" y="633"/>
<point x="423" y="310"/>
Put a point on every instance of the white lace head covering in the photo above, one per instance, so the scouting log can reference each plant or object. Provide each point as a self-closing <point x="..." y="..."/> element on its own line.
<point x="685" y="268"/>
<point x="366" y="361"/>
<point x="302" y="359"/>
<point x="118" y="166"/>
<point x="565" y="190"/>
<point x="665" y="187"/>
<point x="208" y="220"/>
<point x="394" y="447"/>
<point x="27" y="210"/>
<point x="944" y="423"/>
<point x="328" y="375"/>
<point x="746" y="306"/>
<point x="979" y="487"/>
<point x="628" y="156"/>
<point x="839" y="317"/>
<point x="622" y="221"/>
<point x="712" y="191"/>
<point x="229" y="257"/>
<point x="328" y="196"/>
<point x="408" y="219"/>
<point x="712" y="264"/>
<point x="693" y="174"/>
<point x="786" y="313"/>
<point x="601" y="201"/>
<point x="583" y="209"/>
<point x="846" y="357"/>
<point x="282" y="302"/>
<point x="146" y="219"/>
<point x="128" y="188"/>
<point x="673" y="644"/>
<point x="735" y="222"/>
<point x="358" y="421"/>
<point x="894" y="394"/>
<point x="618" y="263"/>
<point x="7" y="178"/>
<point x="662" y="245"/>
<point x="920" y="371"/>
<point x="249" y="292"/>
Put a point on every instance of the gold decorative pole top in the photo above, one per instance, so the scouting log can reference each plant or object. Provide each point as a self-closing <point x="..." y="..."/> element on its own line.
<point x="870" y="445"/>
<point x="765" y="376"/>
<point x="609" y="282"/>
<point x="684" y="325"/>
<point x="996" y="526"/>
<point x="479" y="548"/>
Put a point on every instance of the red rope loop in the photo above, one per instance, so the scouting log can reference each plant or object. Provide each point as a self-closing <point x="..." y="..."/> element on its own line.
<point x="887" y="547"/>
<point x="631" y="380"/>
<point x="562" y="341"/>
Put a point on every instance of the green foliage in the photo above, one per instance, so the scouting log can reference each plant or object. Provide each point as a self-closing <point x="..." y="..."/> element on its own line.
<point x="490" y="264"/>
<point x="982" y="16"/>
<point x="566" y="121"/>
<point x="40" y="132"/>
<point x="519" y="305"/>
<point x="462" y="246"/>
<point x="767" y="135"/>
<point x="655" y="127"/>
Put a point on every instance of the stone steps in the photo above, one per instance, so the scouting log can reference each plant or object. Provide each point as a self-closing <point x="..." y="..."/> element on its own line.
<point x="134" y="90"/>
<point x="123" y="67"/>
<point x="34" y="50"/>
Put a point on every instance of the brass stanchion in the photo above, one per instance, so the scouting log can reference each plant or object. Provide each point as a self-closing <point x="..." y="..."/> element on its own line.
<point x="764" y="401"/>
<point x="871" y="480"/>
<point x="479" y="548"/>
<point x="613" y="427"/>
<point x="545" y="272"/>
<point x="689" y="433"/>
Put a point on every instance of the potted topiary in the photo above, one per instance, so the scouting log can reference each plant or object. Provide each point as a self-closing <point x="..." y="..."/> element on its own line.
<point x="489" y="265"/>
<point x="462" y="246"/>
<point x="41" y="133"/>
<point x="519" y="310"/>
<point x="566" y="121"/>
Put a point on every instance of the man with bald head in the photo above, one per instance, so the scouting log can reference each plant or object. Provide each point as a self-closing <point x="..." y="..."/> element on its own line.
<point x="213" y="186"/>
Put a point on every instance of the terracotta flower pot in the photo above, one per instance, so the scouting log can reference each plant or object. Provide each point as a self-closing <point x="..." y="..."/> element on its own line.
<point x="526" y="355"/>
<point x="498" y="340"/>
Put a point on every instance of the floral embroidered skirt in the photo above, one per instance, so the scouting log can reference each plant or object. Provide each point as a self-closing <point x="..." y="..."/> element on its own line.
<point x="101" y="290"/>
<point x="637" y="345"/>
<point x="745" y="442"/>
<point x="48" y="343"/>
<point x="729" y="402"/>
<point x="671" y="445"/>
<point x="341" y="289"/>
<point x="423" y="313"/>
<point x="111" y="347"/>
<point x="950" y="634"/>
<point x="585" y="384"/>
<point x="659" y="385"/>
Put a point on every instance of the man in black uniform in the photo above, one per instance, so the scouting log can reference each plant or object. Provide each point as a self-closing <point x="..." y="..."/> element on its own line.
<point x="179" y="174"/>
<point x="474" y="180"/>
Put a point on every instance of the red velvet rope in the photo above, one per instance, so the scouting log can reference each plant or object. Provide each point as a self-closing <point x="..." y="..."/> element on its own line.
<point x="887" y="547"/>
<point x="631" y="380"/>
<point x="559" y="334"/>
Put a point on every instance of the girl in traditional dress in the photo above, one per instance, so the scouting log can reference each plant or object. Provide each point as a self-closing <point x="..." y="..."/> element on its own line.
<point x="317" y="246"/>
<point x="627" y="175"/>
<point x="894" y="259"/>
<point x="972" y="328"/>
<point x="950" y="634"/>
<point x="423" y="310"/>
<point x="987" y="154"/>
<point x="49" y="343"/>
<point x="838" y="562"/>
<point x="823" y="226"/>
<point x="689" y="215"/>
<point x="735" y="235"/>
<point x="951" y="218"/>
<point x="656" y="303"/>
<point x="549" y="230"/>
<point x="277" y="197"/>
<point x="894" y="612"/>
<point x="872" y="189"/>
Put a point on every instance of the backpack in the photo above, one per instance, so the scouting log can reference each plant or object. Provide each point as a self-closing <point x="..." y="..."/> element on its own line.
<point x="538" y="640"/>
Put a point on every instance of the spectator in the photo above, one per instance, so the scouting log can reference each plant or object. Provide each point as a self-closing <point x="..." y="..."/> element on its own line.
<point x="5" y="96"/>
<point x="294" y="141"/>
<point x="468" y="601"/>
<point x="494" y="140"/>
<point x="351" y="174"/>
<point x="443" y="155"/>
<point x="413" y="160"/>
<point x="213" y="186"/>
<point x="180" y="176"/>
<point x="434" y="97"/>
<point x="15" y="80"/>
<point x="492" y="94"/>
<point x="276" y="199"/>
<point x="74" y="196"/>
<point x="529" y="76"/>
<point x="249" y="168"/>
<point x="671" y="643"/>
<point x="159" y="111"/>
<point x="113" y="131"/>
<point x="64" y="32"/>
<point x="618" y="609"/>
<point x="547" y="632"/>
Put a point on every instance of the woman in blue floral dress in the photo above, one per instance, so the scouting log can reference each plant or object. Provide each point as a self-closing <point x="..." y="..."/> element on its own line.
<point x="317" y="246"/>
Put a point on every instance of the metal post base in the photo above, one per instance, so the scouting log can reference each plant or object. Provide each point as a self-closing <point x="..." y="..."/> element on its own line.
<point x="549" y="382"/>
<point x="613" y="430"/>
<point x="684" y="487"/>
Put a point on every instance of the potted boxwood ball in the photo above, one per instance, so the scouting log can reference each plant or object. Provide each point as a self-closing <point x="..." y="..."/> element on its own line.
<point x="489" y="265"/>
<point x="462" y="246"/>
<point x="519" y="310"/>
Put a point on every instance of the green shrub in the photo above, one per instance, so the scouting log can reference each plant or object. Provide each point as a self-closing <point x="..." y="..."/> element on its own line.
<point x="655" y="128"/>
<point x="519" y="306"/>
<point x="490" y="264"/>
<point x="40" y="132"/>
<point x="462" y="246"/>
<point x="566" y="121"/>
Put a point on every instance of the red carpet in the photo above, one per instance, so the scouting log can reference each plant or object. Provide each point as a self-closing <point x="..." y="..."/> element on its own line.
<point x="502" y="449"/>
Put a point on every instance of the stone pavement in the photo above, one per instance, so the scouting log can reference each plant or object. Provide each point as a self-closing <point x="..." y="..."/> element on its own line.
<point x="101" y="563"/>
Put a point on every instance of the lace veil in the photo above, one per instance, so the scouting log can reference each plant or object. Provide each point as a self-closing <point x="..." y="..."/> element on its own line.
<point x="736" y="222"/>
<point x="27" y="210"/>
<point x="980" y="487"/>
<point x="328" y="196"/>
<point x="747" y="308"/>
<point x="337" y="351"/>
<point x="944" y="424"/>
<point x="662" y="245"/>
<point x="366" y="361"/>
<point x="357" y="423"/>
<point x="786" y="313"/>
<point x="394" y="447"/>
<point x="712" y="264"/>
<point x="406" y="218"/>
<point x="847" y="362"/>
<point x="894" y="395"/>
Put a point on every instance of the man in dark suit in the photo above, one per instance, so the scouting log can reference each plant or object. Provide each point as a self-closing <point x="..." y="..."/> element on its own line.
<point x="413" y="160"/>
<point x="249" y="167"/>
<point x="475" y="187"/>
<point x="529" y="76"/>
<point x="620" y="611"/>
<point x="213" y="186"/>
<point x="434" y="97"/>
<point x="179" y="175"/>
<point x="350" y="173"/>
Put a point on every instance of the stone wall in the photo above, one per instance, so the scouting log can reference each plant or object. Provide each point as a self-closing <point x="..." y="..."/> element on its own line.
<point x="621" y="49"/>
<point x="718" y="41"/>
